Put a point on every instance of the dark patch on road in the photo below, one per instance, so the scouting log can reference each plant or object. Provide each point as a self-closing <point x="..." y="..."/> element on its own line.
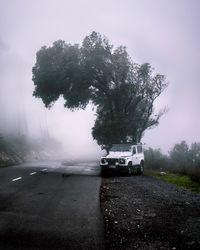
<point x="5" y="201"/>
<point x="65" y="175"/>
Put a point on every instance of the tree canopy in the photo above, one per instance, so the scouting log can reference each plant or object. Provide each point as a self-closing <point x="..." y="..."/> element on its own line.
<point x="122" y="91"/>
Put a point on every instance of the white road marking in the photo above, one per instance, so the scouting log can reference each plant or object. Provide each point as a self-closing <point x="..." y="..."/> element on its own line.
<point x="43" y="170"/>
<point x="33" y="173"/>
<point x="16" y="179"/>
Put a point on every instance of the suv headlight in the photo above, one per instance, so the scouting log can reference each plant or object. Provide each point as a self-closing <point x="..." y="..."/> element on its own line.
<point x="122" y="161"/>
<point x="104" y="161"/>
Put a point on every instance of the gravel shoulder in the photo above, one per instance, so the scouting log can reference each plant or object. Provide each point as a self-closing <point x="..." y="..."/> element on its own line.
<point x="142" y="212"/>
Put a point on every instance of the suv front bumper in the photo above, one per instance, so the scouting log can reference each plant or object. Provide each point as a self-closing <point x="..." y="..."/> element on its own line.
<point x="114" y="168"/>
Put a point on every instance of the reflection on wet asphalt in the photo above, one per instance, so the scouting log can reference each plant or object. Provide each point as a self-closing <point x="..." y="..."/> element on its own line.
<point x="90" y="168"/>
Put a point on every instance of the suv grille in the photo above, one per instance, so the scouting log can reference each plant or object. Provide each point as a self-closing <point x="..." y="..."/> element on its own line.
<point x="112" y="161"/>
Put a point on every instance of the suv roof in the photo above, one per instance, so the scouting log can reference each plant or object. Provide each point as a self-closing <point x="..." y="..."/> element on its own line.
<point x="123" y="147"/>
<point x="129" y="144"/>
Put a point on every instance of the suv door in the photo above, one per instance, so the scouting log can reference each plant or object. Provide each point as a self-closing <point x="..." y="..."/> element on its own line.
<point x="139" y="153"/>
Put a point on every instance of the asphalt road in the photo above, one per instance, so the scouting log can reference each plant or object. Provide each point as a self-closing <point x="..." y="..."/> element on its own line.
<point x="51" y="206"/>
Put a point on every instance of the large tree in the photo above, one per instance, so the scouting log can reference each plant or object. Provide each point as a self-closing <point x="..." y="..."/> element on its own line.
<point x="122" y="91"/>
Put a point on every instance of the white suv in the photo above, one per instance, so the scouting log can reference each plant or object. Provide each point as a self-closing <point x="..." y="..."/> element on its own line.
<point x="125" y="158"/>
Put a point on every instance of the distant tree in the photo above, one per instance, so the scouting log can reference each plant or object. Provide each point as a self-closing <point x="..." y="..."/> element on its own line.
<point x="122" y="91"/>
<point x="194" y="153"/>
<point x="155" y="159"/>
<point x="180" y="156"/>
<point x="2" y="143"/>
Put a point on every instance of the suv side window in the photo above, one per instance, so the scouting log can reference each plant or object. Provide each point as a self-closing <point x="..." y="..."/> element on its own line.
<point x="134" y="150"/>
<point x="139" y="149"/>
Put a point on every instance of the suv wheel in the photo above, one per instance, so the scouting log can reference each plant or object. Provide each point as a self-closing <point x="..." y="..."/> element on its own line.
<point x="141" y="168"/>
<point x="130" y="169"/>
<point x="103" y="172"/>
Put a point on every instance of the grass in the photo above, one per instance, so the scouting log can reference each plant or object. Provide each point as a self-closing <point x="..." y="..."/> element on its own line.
<point x="177" y="179"/>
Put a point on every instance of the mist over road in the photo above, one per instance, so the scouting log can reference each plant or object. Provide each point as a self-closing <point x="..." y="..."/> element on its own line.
<point x="49" y="205"/>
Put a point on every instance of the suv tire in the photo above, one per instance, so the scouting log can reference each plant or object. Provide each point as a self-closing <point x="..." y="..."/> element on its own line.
<point x="140" y="170"/>
<point x="130" y="169"/>
<point x="104" y="172"/>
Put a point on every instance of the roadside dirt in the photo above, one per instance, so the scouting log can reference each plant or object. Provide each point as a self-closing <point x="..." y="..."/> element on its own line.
<point x="141" y="212"/>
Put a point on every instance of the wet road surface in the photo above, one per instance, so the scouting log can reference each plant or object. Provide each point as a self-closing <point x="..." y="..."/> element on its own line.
<point x="51" y="205"/>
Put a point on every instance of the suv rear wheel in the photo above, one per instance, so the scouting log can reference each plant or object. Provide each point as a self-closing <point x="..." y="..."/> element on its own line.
<point x="130" y="169"/>
<point x="140" y="170"/>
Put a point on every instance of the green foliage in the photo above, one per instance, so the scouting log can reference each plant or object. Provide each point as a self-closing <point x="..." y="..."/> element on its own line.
<point x="15" y="149"/>
<point x="177" y="179"/>
<point x="56" y="70"/>
<point x="17" y="144"/>
<point x="2" y="143"/>
<point x="122" y="91"/>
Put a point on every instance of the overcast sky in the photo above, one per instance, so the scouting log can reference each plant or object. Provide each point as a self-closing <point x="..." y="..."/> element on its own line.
<point x="164" y="33"/>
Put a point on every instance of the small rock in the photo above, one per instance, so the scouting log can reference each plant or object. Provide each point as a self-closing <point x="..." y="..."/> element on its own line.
<point x="151" y="215"/>
<point x="191" y="243"/>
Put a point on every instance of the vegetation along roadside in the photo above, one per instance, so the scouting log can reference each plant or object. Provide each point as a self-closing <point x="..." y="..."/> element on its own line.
<point x="183" y="181"/>
<point x="180" y="167"/>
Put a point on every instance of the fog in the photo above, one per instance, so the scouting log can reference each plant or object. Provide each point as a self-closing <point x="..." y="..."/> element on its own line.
<point x="164" y="33"/>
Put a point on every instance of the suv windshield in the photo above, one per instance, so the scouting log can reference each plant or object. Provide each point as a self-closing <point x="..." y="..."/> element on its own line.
<point x="121" y="148"/>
